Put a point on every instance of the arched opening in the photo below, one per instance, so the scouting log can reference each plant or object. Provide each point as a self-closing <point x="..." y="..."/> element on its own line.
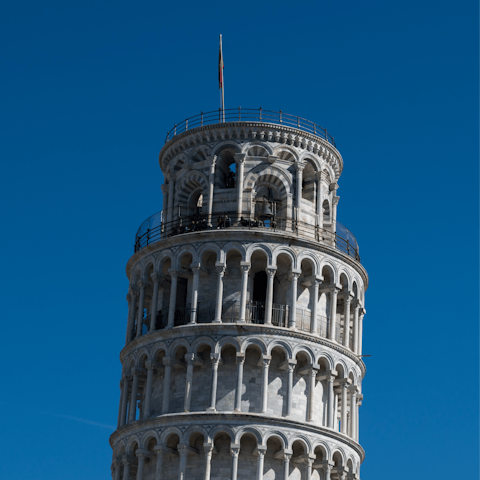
<point x="300" y="387"/>
<point x="298" y="463"/>
<point x="252" y="380"/>
<point x="273" y="467"/>
<point x="326" y="213"/>
<point x="258" y="287"/>
<point x="177" y="382"/>
<point x="196" y="462"/>
<point x="232" y="287"/>
<point x="222" y="459"/>
<point x="227" y="380"/>
<point x="171" y="458"/>
<point x="247" y="460"/>
<point x="202" y="374"/>
<point x="309" y="185"/>
<point x="277" y="383"/>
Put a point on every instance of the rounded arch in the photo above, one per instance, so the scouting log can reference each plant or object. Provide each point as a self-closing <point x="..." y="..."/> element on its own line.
<point x="227" y="342"/>
<point x="201" y="341"/>
<point x="323" y="446"/>
<point x="326" y="360"/>
<point x="244" y="430"/>
<point x="182" y="252"/>
<point x="286" y="153"/>
<point x="287" y="251"/>
<point x="130" y="448"/>
<point x="257" y="148"/>
<point x="192" y="430"/>
<point x="341" y="368"/>
<point x="142" y="356"/>
<point x="307" y="156"/>
<point x="269" y="174"/>
<point x="277" y="434"/>
<point x="226" y="144"/>
<point x="171" y="431"/>
<point x="166" y="255"/>
<point x="328" y="270"/>
<point x="199" y="153"/>
<point x="149" y="264"/>
<point x="180" y="342"/>
<point x="219" y="429"/>
<point x="159" y="347"/>
<point x="176" y="164"/>
<point x="258" y="247"/>
<point x="210" y="247"/>
<point x="234" y="246"/>
<point x="302" y="349"/>
<point x="338" y="456"/>
<point x="303" y="439"/>
<point x="147" y="437"/>
<point x="256" y="342"/>
<point x="307" y="256"/>
<point x="284" y="346"/>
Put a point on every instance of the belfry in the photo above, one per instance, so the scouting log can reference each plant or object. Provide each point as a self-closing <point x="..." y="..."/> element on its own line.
<point x="243" y="350"/>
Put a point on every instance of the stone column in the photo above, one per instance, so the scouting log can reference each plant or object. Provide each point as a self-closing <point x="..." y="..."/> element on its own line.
<point x="245" y="266"/>
<point x="182" y="450"/>
<point x="355" y="327"/>
<point x="159" y="449"/>
<point x="132" y="411"/>
<point x="261" y="450"/>
<point x="215" y="357"/>
<point x="189" y="357"/>
<point x="167" y="361"/>
<point x="318" y="178"/>
<point x="208" y="449"/>
<point x="153" y="307"/>
<point x="266" y="363"/>
<point x="218" y="306"/>
<point x="311" y="392"/>
<point x="117" y="471"/>
<point x="328" y="471"/>
<point x="360" y="332"/>
<point x="238" y="390"/>
<point x="148" y="389"/>
<point x="269" y="303"/>
<point x="286" y="465"/>
<point x="126" y="467"/>
<point x="211" y="182"/>
<point x="193" y="302"/>
<point x="353" y="412"/>
<point x="173" y="298"/>
<point x="330" y="401"/>
<point x="123" y="414"/>
<point x="299" y="166"/>
<point x="333" y="188"/>
<point x="141" y="304"/>
<point x="309" y="465"/>
<point x="132" y="297"/>
<point x="357" y="416"/>
<point x="333" y="313"/>
<point x="346" y="323"/>
<point x="314" y="293"/>
<point x="122" y="394"/>
<point x="141" y="455"/>
<point x="234" y="450"/>
<point x="240" y="167"/>
<point x="344" y="407"/>
<point x="293" y="312"/>
<point x="291" y="367"/>
<point x="171" y="184"/>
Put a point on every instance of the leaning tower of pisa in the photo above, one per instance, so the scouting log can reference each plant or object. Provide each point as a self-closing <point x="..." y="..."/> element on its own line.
<point x="242" y="356"/>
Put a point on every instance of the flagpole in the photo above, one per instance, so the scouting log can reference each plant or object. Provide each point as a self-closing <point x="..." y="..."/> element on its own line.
<point x="222" y="100"/>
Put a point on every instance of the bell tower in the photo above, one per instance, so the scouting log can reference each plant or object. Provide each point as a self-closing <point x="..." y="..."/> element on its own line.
<point x="242" y="356"/>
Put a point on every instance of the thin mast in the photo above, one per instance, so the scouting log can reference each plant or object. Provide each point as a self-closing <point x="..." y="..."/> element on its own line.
<point x="221" y="81"/>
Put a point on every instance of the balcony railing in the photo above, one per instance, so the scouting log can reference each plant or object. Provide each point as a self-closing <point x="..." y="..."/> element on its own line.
<point x="154" y="229"/>
<point x="249" y="115"/>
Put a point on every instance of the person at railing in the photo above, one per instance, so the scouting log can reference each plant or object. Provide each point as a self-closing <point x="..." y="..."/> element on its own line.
<point x="243" y="222"/>
<point x="230" y="180"/>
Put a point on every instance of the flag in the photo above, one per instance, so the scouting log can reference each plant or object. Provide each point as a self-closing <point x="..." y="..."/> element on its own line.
<point x="220" y="66"/>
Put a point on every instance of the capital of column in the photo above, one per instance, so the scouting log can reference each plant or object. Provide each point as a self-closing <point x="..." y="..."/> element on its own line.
<point x="150" y="366"/>
<point x="240" y="157"/>
<point x="126" y="460"/>
<point x="142" y="284"/>
<point x="220" y="269"/>
<point x="266" y="359"/>
<point x="173" y="273"/>
<point x="240" y="358"/>
<point x="137" y="371"/>
<point x="294" y="275"/>
<point x="300" y="165"/>
<point x="155" y="277"/>
<point x="167" y="361"/>
<point x="208" y="448"/>
<point x="245" y="266"/>
<point x="212" y="159"/>
<point x="195" y="267"/>
<point x="160" y="450"/>
<point x="353" y="389"/>
<point x="271" y="271"/>
<point x="215" y="358"/>
<point x="189" y="357"/>
<point x="234" y="449"/>
<point x="260" y="450"/>
<point x="140" y="452"/>
<point x="333" y="186"/>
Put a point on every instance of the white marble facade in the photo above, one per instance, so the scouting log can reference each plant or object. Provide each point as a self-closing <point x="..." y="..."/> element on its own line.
<point x="242" y="357"/>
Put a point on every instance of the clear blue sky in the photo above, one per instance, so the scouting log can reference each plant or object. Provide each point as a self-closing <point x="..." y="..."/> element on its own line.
<point x="88" y="92"/>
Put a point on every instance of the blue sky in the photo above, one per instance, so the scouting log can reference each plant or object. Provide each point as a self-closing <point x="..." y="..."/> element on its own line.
<point x="88" y="92"/>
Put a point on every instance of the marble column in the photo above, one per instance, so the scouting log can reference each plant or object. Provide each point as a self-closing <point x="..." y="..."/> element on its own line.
<point x="153" y="307"/>
<point x="299" y="166"/>
<point x="173" y="299"/>
<point x="148" y="389"/>
<point x="132" y="411"/>
<point x="328" y="472"/>
<point x="182" y="450"/>
<point x="286" y="465"/>
<point x="266" y="363"/>
<point x="355" y="326"/>
<point x="309" y="466"/>
<point x="208" y="449"/>
<point x="314" y="294"/>
<point x="234" y="450"/>
<point x="126" y="388"/>
<point x="194" y="299"/>
<point x="238" y="390"/>
<point x="319" y="208"/>
<point x="353" y="412"/>
<point x="346" y="323"/>
<point x="312" y="373"/>
<point x="343" y="427"/>
<point x="245" y="266"/>
<point x="211" y="183"/>
<point x="189" y="357"/>
<point x="218" y="306"/>
<point x="360" y="332"/>
<point x="171" y="184"/>
<point x="117" y="470"/>
<point x="261" y="450"/>
<point x="167" y="361"/>
<point x="333" y="313"/>
<point x="141" y="455"/>
<point x="132" y="296"/>
<point x="159" y="450"/>
<point x="126" y="467"/>
<point x="290" y="369"/>
<point x="293" y="312"/>
<point x="240" y="169"/>
<point x="269" y="300"/>
<point x="330" y="401"/>
<point x="141" y="306"/>
<point x="122" y="395"/>
<point x="215" y="357"/>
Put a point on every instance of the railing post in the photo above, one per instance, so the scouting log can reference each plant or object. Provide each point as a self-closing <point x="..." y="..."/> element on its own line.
<point x="260" y="113"/>
<point x="219" y="115"/>
<point x="175" y="130"/>
<point x="186" y="124"/>
<point x="280" y="116"/>
<point x="298" y="122"/>
<point x="239" y="113"/>
<point x="326" y="135"/>
<point x="201" y="120"/>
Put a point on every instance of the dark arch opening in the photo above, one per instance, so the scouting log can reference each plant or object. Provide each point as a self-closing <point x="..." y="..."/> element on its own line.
<point x="260" y="287"/>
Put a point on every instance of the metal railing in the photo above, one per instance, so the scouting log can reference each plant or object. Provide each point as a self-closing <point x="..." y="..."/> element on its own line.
<point x="249" y="115"/>
<point x="154" y="229"/>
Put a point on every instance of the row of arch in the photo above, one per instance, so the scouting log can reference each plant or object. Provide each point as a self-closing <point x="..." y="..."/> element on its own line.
<point x="228" y="453"/>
